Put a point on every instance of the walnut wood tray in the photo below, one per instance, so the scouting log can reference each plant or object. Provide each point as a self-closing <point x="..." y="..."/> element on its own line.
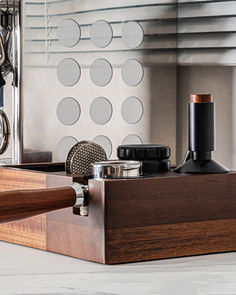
<point x="169" y="215"/>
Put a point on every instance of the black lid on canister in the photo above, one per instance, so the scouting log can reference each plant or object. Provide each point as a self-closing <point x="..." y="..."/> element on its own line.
<point x="143" y="152"/>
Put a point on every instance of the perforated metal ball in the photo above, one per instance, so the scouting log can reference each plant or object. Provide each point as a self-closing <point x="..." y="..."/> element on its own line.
<point x="82" y="155"/>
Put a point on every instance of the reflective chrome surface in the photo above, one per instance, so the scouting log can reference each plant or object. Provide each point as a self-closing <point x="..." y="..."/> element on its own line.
<point x="79" y="194"/>
<point x="17" y="110"/>
<point x="10" y="81"/>
<point x="81" y="206"/>
<point x="116" y="169"/>
<point x="4" y="132"/>
<point x="145" y="31"/>
<point x="2" y="50"/>
<point x="126" y="49"/>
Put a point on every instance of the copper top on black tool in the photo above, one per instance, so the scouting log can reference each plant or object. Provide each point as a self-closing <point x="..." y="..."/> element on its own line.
<point x="199" y="98"/>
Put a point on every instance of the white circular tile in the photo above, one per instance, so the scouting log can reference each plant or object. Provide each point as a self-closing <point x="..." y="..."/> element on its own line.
<point x="105" y="143"/>
<point x="63" y="147"/>
<point x="68" y="33"/>
<point x="132" y="110"/>
<point x="68" y="111"/>
<point x="101" y="34"/>
<point x="132" y="72"/>
<point x="132" y="34"/>
<point x="132" y="139"/>
<point x="68" y="72"/>
<point x="100" y="110"/>
<point x="101" y="72"/>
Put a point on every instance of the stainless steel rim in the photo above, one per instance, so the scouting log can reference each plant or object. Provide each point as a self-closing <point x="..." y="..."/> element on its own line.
<point x="116" y="169"/>
<point x="125" y="164"/>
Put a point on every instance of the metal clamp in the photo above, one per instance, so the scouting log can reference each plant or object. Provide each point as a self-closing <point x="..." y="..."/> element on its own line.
<point x="79" y="194"/>
<point x="81" y="205"/>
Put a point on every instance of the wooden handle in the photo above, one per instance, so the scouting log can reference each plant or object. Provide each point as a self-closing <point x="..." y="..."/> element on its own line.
<point x="15" y="205"/>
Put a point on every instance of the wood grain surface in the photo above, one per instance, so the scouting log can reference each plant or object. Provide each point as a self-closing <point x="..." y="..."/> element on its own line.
<point x="171" y="216"/>
<point x="32" y="231"/>
<point x="170" y="240"/>
<point x="157" y="201"/>
<point x="12" y="179"/>
<point x="80" y="236"/>
<point x="29" y="232"/>
<point x="168" y="215"/>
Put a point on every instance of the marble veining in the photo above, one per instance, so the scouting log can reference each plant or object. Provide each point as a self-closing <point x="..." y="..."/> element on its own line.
<point x="25" y="271"/>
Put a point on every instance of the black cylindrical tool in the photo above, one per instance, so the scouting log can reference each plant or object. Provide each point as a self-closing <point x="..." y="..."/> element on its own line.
<point x="201" y="129"/>
<point x="201" y="137"/>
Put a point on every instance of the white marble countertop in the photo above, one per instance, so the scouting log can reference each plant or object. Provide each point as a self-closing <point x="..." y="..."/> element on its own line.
<point x="29" y="271"/>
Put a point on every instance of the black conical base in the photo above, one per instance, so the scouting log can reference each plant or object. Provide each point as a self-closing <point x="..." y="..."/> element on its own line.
<point x="202" y="167"/>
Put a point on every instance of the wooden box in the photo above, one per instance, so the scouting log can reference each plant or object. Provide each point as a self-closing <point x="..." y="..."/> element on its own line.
<point x="169" y="215"/>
